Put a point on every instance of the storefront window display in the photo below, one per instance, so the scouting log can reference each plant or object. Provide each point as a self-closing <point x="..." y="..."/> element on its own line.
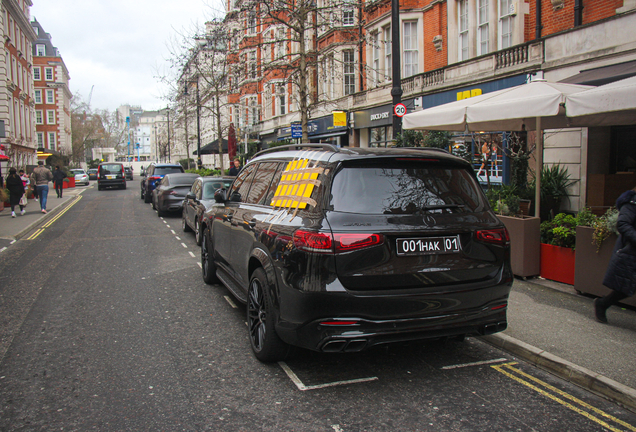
<point x="381" y="136"/>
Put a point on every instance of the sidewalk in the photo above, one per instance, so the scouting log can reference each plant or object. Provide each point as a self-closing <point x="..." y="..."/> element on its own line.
<point x="549" y="324"/>
<point x="15" y="228"/>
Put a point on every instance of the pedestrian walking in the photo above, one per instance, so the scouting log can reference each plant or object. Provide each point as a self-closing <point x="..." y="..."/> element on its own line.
<point x="16" y="190"/>
<point x="42" y="176"/>
<point x="25" y="182"/>
<point x="620" y="276"/>
<point x="58" y="180"/>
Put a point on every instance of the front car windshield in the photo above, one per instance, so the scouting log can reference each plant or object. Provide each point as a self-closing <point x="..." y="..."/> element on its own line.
<point x="406" y="188"/>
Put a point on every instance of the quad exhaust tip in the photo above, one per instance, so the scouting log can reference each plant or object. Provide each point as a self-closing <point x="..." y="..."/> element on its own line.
<point x="345" y="345"/>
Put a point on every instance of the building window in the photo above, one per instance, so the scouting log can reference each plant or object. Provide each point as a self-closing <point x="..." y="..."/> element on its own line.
<point x="253" y="111"/>
<point x="50" y="97"/>
<point x="52" y="140"/>
<point x="38" y="96"/>
<point x="251" y="23"/>
<point x="462" y="10"/>
<point x="349" y="72"/>
<point x="40" y="50"/>
<point x="38" y="117"/>
<point x="281" y="96"/>
<point x="375" y="46"/>
<point x="410" y="49"/>
<point x="48" y="74"/>
<point x="50" y="116"/>
<point x="348" y="15"/>
<point x="36" y="74"/>
<point x="252" y="65"/>
<point x="40" y="139"/>
<point x="482" y="29"/>
<point x="381" y="136"/>
<point x="388" y="62"/>
<point x="505" y="24"/>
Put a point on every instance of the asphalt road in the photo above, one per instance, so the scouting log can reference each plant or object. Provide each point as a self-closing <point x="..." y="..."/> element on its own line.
<point x="106" y="324"/>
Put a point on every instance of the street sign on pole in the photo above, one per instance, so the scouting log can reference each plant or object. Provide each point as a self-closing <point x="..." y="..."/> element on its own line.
<point x="400" y="110"/>
<point x="296" y="130"/>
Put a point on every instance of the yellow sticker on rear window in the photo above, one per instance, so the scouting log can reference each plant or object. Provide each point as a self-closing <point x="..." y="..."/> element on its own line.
<point x="296" y="185"/>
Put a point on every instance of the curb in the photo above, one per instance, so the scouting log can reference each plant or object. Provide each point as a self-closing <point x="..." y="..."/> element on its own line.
<point x="582" y="377"/>
<point x="46" y="216"/>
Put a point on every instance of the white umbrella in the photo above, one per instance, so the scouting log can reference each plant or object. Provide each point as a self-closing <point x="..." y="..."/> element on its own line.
<point x="533" y="106"/>
<point x="606" y="105"/>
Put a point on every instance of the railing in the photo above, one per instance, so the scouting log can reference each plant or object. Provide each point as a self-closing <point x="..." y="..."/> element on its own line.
<point x="512" y="56"/>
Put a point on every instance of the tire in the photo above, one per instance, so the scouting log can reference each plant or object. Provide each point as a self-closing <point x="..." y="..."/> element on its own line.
<point x="154" y="207"/>
<point x="147" y="197"/>
<point x="184" y="224"/>
<point x="142" y="194"/>
<point x="197" y="231"/>
<point x="266" y="345"/>
<point x="124" y="187"/>
<point x="208" y="268"/>
<point x="99" y="187"/>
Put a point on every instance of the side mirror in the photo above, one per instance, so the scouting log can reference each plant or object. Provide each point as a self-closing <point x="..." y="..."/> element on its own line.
<point x="220" y="196"/>
<point x="190" y="195"/>
<point x="236" y="197"/>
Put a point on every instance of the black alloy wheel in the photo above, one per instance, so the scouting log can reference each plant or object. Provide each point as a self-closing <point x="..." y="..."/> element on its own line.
<point x="266" y="344"/>
<point x="184" y="223"/>
<point x="208" y="268"/>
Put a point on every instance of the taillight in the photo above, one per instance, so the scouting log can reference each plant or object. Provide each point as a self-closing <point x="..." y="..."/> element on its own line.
<point x="497" y="236"/>
<point x="172" y="192"/>
<point x="153" y="178"/>
<point x="311" y="241"/>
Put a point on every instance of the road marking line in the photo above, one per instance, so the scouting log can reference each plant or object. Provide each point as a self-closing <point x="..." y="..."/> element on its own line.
<point x="12" y="241"/>
<point x="178" y="238"/>
<point x="35" y="234"/>
<point x="479" y="363"/>
<point x="3" y="249"/>
<point x="199" y="264"/>
<point x="168" y="226"/>
<point x="59" y="215"/>
<point x="229" y="300"/>
<point x="172" y="231"/>
<point x="191" y="254"/>
<point x="184" y="245"/>
<point x="290" y="373"/>
<point x="565" y="395"/>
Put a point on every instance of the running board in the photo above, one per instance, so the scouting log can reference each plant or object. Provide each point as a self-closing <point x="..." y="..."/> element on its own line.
<point x="231" y="285"/>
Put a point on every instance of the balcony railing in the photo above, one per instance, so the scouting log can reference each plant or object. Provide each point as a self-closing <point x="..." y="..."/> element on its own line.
<point x="512" y="56"/>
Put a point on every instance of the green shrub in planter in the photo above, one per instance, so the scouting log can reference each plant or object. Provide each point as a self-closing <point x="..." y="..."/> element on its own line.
<point x="560" y="231"/>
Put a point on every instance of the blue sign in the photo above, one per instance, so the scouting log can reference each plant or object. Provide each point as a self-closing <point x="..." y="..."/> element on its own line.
<point x="296" y="130"/>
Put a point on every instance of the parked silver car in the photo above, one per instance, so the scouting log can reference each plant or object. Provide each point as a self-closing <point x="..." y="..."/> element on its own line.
<point x="81" y="176"/>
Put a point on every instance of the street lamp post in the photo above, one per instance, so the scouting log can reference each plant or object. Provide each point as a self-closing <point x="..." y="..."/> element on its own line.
<point x="168" y="114"/>
<point x="396" y="91"/>
<point x="199" y="164"/>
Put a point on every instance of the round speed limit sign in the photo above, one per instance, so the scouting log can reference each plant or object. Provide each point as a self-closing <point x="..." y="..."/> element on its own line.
<point x="399" y="110"/>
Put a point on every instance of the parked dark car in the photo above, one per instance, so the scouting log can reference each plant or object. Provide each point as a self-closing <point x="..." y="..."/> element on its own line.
<point x="153" y="173"/>
<point x="338" y="250"/>
<point x="92" y="174"/>
<point x="111" y="174"/>
<point x="129" y="173"/>
<point x="198" y="200"/>
<point x="170" y="191"/>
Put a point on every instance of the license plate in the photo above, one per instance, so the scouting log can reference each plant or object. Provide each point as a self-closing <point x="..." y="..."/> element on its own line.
<point x="110" y="177"/>
<point x="428" y="245"/>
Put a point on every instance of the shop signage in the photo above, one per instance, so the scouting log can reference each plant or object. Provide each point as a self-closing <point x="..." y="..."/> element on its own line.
<point x="379" y="116"/>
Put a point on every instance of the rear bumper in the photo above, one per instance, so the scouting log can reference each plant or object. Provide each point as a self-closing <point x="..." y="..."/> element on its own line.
<point x="110" y="182"/>
<point x="345" y="321"/>
<point x="171" y="205"/>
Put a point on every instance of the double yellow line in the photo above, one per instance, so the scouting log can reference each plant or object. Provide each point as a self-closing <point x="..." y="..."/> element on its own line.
<point x="59" y="215"/>
<point x="565" y="399"/>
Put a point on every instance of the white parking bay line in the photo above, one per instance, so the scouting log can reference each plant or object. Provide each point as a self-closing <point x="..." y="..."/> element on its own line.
<point x="178" y="238"/>
<point x="292" y="376"/>
<point x="172" y="231"/>
<point x="199" y="264"/>
<point x="184" y="245"/>
<point x="479" y="363"/>
<point x="191" y="254"/>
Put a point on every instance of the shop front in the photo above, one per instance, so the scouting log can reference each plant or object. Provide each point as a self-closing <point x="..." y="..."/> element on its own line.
<point x="330" y="129"/>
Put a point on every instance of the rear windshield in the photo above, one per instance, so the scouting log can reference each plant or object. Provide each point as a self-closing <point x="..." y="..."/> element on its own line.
<point x="406" y="189"/>
<point x="111" y="169"/>
<point x="167" y="170"/>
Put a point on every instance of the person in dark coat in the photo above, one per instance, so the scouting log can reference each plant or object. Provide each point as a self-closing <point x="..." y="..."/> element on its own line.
<point x="58" y="180"/>
<point x="621" y="271"/>
<point x="16" y="190"/>
<point x="236" y="168"/>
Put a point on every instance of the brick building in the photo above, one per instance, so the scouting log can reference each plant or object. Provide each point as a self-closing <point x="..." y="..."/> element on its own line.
<point x="17" y="130"/>
<point x="52" y="96"/>
<point x="449" y="49"/>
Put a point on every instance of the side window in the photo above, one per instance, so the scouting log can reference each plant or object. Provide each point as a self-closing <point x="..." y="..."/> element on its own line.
<point x="261" y="183"/>
<point x="274" y="184"/>
<point x="196" y="189"/>
<point x="242" y="183"/>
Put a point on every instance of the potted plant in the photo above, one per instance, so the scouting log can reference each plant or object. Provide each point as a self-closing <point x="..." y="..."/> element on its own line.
<point x="555" y="181"/>
<point x="524" y="231"/>
<point x="558" y="239"/>
<point x="595" y="240"/>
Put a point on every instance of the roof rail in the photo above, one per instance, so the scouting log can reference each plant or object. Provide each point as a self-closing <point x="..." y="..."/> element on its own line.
<point x="427" y="148"/>
<point x="327" y="147"/>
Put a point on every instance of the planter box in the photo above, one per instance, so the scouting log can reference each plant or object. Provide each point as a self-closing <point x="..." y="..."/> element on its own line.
<point x="557" y="263"/>
<point x="590" y="266"/>
<point x="68" y="184"/>
<point x="525" y="245"/>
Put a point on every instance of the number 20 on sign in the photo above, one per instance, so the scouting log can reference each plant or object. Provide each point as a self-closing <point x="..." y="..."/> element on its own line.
<point x="399" y="110"/>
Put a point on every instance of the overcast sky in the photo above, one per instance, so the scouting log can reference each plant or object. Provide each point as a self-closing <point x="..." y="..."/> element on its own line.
<point x="120" y="46"/>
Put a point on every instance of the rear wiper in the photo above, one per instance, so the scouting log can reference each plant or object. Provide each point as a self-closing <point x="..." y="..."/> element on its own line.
<point x="443" y="206"/>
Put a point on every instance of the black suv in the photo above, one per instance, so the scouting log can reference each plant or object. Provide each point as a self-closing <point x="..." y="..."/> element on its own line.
<point x="111" y="174"/>
<point x="153" y="174"/>
<point x="340" y="249"/>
